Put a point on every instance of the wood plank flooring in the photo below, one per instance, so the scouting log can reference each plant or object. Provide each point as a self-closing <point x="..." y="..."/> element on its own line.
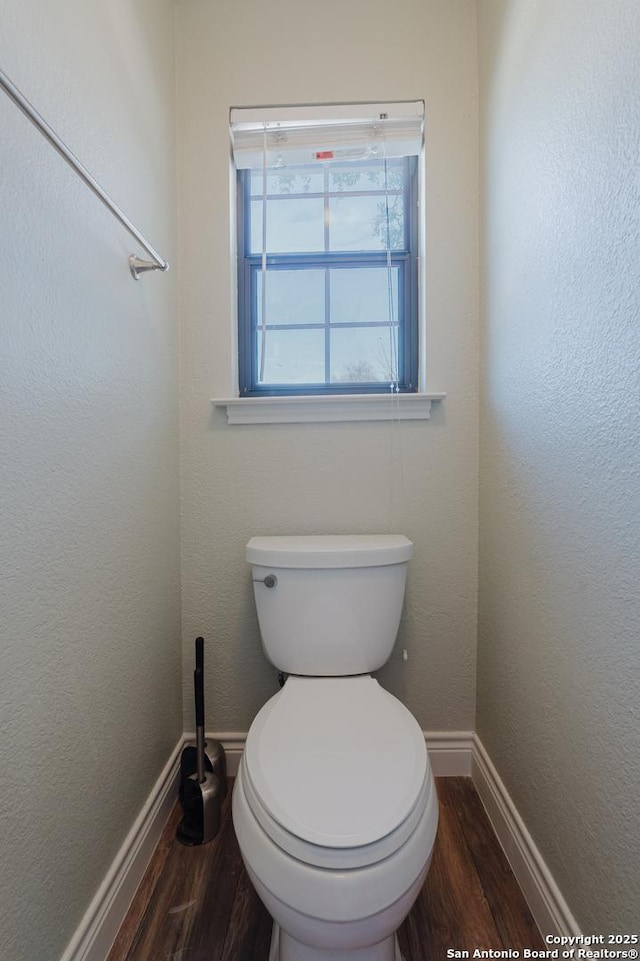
<point x="197" y="904"/>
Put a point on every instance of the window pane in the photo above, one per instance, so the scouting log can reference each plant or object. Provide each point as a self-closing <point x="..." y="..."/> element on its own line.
<point x="364" y="354"/>
<point x="295" y="225"/>
<point x="293" y="296"/>
<point x="360" y="223"/>
<point x="289" y="180"/>
<point x="291" y="356"/>
<point x="361" y="295"/>
<point x="369" y="176"/>
<point x="335" y="313"/>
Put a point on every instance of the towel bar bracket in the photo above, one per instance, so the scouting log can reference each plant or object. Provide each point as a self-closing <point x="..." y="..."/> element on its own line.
<point x="138" y="266"/>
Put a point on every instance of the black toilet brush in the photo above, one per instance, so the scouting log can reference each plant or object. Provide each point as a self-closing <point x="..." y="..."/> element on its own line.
<point x="203" y="774"/>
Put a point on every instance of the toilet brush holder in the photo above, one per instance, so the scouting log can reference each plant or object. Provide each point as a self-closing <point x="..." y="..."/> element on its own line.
<point x="215" y="762"/>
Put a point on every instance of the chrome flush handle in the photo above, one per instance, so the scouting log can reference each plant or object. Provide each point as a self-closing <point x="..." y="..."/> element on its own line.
<point x="269" y="581"/>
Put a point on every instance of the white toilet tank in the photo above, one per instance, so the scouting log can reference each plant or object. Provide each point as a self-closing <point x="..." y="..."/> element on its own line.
<point x="335" y="602"/>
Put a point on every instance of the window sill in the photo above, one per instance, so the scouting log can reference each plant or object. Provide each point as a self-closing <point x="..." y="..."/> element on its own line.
<point x="328" y="409"/>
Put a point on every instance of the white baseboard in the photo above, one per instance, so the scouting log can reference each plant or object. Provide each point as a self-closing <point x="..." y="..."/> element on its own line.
<point x="546" y="903"/>
<point x="450" y="752"/>
<point x="104" y="916"/>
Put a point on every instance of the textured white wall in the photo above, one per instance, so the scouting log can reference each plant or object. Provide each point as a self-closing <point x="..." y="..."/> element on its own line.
<point x="90" y="629"/>
<point x="419" y="479"/>
<point x="559" y="663"/>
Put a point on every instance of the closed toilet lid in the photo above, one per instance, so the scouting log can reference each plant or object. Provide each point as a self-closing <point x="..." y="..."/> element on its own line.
<point x="337" y="762"/>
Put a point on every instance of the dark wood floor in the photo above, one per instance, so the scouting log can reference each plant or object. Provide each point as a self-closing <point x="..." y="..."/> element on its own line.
<point x="197" y="904"/>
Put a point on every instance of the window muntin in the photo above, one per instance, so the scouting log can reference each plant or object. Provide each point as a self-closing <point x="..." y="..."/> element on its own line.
<point x="340" y="265"/>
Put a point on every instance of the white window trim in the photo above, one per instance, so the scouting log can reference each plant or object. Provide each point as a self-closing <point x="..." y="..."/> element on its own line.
<point x="335" y="408"/>
<point x="311" y="408"/>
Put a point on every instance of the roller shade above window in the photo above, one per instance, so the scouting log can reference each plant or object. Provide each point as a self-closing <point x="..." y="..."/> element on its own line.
<point x="341" y="132"/>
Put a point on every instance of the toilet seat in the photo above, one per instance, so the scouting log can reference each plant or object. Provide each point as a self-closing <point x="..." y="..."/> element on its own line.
<point x="336" y="772"/>
<point x="337" y="859"/>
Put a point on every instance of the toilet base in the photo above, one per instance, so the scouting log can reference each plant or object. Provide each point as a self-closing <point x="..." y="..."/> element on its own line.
<point x="285" y="948"/>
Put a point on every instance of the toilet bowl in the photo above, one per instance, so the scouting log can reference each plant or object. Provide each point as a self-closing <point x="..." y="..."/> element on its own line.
<point x="334" y="805"/>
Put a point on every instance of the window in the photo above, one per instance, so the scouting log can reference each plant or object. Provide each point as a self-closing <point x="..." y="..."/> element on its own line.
<point x="327" y="205"/>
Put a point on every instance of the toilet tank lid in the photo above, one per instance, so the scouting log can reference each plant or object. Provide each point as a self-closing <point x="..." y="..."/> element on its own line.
<point x="329" y="550"/>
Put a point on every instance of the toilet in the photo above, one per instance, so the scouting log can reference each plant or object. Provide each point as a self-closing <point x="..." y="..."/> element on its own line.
<point x="334" y="804"/>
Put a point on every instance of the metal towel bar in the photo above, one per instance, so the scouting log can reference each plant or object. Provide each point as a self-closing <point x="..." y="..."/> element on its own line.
<point x="137" y="266"/>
